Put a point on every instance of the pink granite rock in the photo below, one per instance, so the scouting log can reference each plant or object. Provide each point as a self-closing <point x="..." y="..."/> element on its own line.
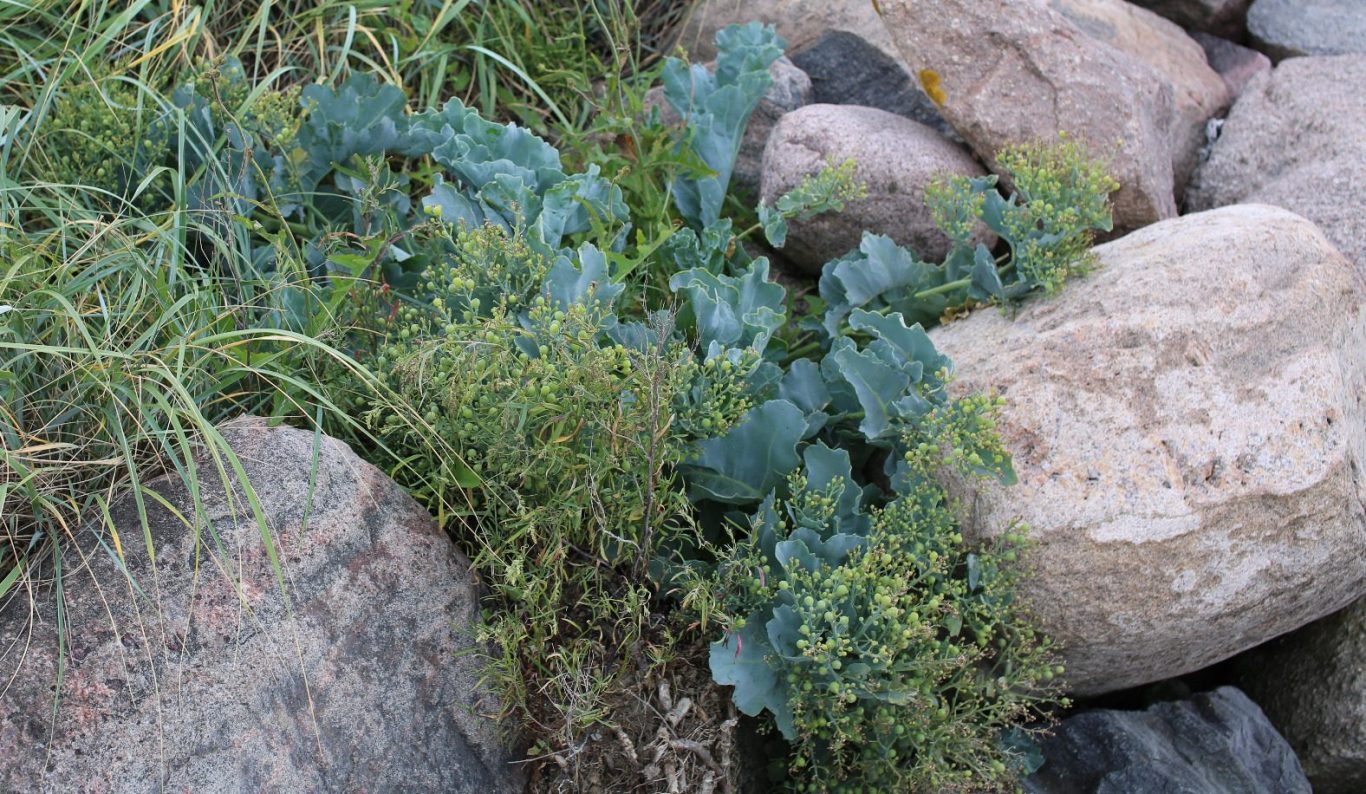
<point x="1013" y="71"/>
<point x="1198" y="92"/>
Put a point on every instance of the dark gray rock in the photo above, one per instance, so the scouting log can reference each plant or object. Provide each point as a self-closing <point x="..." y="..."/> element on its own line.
<point x="1235" y="63"/>
<point x="197" y="674"/>
<point x="1290" y="28"/>
<point x="1312" y="686"/>
<point x="847" y="70"/>
<point x="1221" y="17"/>
<point x="1215" y="743"/>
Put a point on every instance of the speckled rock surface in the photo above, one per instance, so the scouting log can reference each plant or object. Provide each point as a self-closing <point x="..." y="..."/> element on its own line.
<point x="206" y="681"/>
<point x="1189" y="431"/>
<point x="791" y="89"/>
<point x="1291" y="28"/>
<point x="1296" y="138"/>
<point x="896" y="157"/>
<point x="1016" y="70"/>
<point x="1198" y="92"/>
<point x="1312" y="685"/>
<point x="1214" y="742"/>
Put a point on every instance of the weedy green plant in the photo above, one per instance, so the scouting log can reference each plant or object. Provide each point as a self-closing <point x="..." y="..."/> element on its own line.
<point x="109" y="136"/>
<point x="561" y="481"/>
<point x="891" y="656"/>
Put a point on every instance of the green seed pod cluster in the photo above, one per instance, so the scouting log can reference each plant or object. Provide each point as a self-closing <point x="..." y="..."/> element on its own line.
<point x="106" y="134"/>
<point x="899" y="653"/>
<point x="480" y="269"/>
<point x="959" y="433"/>
<point x="276" y="116"/>
<point x="718" y="394"/>
<point x="904" y="659"/>
<point x="1063" y="196"/>
<point x="954" y="206"/>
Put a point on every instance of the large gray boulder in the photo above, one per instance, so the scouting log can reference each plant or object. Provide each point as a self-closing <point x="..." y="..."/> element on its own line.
<point x="197" y="674"/>
<point x="1214" y="743"/>
<point x="1198" y="92"/>
<point x="1291" y="28"/>
<point x="1296" y="138"/>
<point x="1312" y="686"/>
<point x="1189" y="432"/>
<point x="897" y="159"/>
<point x="1011" y="71"/>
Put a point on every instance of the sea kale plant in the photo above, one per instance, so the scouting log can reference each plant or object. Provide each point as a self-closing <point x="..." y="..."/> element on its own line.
<point x="635" y="470"/>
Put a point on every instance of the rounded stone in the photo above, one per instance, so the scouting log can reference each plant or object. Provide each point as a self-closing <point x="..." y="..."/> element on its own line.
<point x="896" y="159"/>
<point x="1188" y="428"/>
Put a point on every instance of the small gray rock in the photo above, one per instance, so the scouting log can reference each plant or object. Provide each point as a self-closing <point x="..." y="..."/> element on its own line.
<point x="847" y="70"/>
<point x="1312" y="686"/>
<point x="1215" y="743"/>
<point x="1290" y="28"/>
<point x="896" y="157"/>
<point x="1235" y="63"/>
<point x="202" y="677"/>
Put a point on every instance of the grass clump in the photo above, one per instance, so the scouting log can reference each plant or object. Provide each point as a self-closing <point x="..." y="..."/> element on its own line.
<point x="117" y="357"/>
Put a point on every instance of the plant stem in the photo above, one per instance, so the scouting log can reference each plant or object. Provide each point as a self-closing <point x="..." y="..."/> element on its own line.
<point x="802" y="351"/>
<point x="942" y="288"/>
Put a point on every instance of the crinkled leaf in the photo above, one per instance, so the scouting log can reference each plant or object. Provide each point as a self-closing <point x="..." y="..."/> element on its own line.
<point x="784" y="630"/>
<point x="804" y="387"/>
<point x="824" y="466"/>
<point x="875" y="384"/>
<point x="456" y="207"/>
<point x="716" y="108"/>
<point x="898" y="342"/>
<point x="588" y="284"/>
<point x="880" y="275"/>
<point x="733" y="311"/>
<point x="744" y="465"/>
<point x="774" y="224"/>
<point x="740" y="660"/>
<point x="793" y="552"/>
<point x="986" y="281"/>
